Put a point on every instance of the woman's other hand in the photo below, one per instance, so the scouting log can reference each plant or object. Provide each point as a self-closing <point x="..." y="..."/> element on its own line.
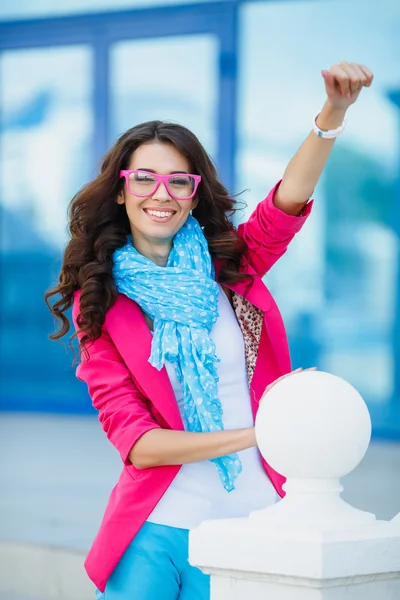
<point x="299" y="370"/>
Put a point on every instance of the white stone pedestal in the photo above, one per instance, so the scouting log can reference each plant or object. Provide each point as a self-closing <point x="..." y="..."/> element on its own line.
<point x="315" y="428"/>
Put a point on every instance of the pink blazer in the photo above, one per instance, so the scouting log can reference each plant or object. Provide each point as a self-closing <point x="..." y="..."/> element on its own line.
<point x="132" y="397"/>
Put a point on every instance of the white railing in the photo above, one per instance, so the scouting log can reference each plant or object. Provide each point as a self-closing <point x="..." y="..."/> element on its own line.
<point x="314" y="428"/>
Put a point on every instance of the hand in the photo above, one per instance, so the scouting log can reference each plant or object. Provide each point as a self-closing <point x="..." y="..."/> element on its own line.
<point x="344" y="82"/>
<point x="271" y="385"/>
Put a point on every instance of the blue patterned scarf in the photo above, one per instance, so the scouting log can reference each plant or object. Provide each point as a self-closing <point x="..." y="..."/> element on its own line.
<point x="182" y="300"/>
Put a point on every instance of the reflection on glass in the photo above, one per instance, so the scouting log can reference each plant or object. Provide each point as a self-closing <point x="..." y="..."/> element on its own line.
<point x="337" y="284"/>
<point x="45" y="135"/>
<point x="45" y="148"/>
<point x="173" y="79"/>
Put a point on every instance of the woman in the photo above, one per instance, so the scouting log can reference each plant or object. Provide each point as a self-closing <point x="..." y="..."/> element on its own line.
<point x="180" y="338"/>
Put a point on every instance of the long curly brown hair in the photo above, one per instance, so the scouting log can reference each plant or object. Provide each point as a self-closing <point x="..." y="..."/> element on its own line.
<point x="98" y="225"/>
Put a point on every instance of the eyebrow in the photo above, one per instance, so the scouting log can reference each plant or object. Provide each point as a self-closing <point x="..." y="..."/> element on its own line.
<point x="152" y="171"/>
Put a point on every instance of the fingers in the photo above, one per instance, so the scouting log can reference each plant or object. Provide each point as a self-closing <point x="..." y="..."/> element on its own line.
<point x="342" y="79"/>
<point x="368" y="74"/>
<point x="356" y="76"/>
<point x="329" y="77"/>
<point x="351" y="77"/>
<point x="271" y="385"/>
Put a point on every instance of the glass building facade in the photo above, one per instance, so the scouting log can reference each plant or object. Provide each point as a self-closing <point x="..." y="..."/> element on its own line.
<point x="245" y="77"/>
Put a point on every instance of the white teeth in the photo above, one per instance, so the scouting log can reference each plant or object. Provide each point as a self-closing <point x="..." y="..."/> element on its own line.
<point x="160" y="214"/>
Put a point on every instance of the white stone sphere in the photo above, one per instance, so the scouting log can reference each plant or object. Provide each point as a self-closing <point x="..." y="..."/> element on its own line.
<point x="313" y="425"/>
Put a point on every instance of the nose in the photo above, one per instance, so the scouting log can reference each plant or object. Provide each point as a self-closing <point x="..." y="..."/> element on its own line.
<point x="161" y="194"/>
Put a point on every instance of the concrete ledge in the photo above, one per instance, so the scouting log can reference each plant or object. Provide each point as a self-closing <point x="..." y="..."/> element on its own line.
<point x="43" y="572"/>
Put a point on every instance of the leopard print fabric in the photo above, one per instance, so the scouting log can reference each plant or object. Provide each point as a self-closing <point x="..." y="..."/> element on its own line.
<point x="250" y="319"/>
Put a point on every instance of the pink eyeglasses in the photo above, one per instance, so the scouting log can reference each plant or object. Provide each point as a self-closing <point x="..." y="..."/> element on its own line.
<point x="181" y="186"/>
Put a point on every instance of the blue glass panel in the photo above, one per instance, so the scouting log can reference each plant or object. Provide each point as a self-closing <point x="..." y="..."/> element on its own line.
<point x="338" y="285"/>
<point x="174" y="79"/>
<point x="46" y="151"/>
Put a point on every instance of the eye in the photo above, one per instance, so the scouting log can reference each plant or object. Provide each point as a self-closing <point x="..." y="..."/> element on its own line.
<point x="180" y="180"/>
<point x="144" y="177"/>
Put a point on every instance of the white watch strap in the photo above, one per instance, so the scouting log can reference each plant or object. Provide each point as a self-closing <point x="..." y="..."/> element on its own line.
<point x="331" y="133"/>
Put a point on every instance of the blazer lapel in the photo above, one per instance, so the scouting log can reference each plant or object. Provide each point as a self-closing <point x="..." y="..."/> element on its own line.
<point x="130" y="333"/>
<point x="260" y="296"/>
<point x="258" y="293"/>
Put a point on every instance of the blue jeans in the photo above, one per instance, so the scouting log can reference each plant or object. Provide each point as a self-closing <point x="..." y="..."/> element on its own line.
<point x="155" y="567"/>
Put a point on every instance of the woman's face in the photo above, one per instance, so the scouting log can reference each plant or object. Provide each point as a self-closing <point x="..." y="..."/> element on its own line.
<point x="153" y="233"/>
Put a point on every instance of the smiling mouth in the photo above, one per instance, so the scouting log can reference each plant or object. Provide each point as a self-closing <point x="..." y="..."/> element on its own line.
<point x="159" y="215"/>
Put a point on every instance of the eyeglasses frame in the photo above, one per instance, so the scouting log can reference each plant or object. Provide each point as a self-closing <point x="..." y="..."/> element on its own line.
<point x="160" y="179"/>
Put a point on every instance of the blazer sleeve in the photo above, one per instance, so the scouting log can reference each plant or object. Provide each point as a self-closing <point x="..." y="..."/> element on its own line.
<point x="269" y="231"/>
<point x="122" y="408"/>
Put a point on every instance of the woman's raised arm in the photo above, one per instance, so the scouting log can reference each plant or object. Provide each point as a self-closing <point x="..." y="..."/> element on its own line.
<point x="343" y="84"/>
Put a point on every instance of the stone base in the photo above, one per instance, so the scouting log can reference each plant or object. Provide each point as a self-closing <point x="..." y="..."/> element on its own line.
<point x="238" y="586"/>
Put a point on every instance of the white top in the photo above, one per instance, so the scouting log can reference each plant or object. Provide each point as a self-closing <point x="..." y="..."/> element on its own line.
<point x="197" y="494"/>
